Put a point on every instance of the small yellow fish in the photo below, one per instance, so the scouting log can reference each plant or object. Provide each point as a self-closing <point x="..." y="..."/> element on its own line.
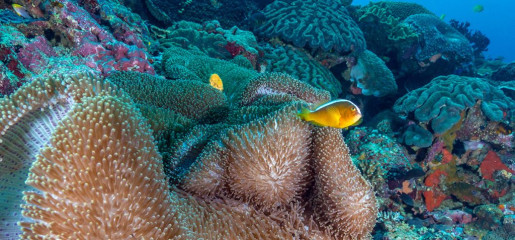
<point x="442" y="17"/>
<point x="478" y="8"/>
<point x="503" y="128"/>
<point x="339" y="113"/>
<point x="216" y="82"/>
<point x="21" y="11"/>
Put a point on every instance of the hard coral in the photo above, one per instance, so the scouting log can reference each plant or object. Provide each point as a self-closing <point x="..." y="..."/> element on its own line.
<point x="211" y="39"/>
<point x="371" y="75"/>
<point x="299" y="64"/>
<point x="442" y="100"/>
<point x="319" y="24"/>
<point x="233" y="12"/>
<point x="438" y="37"/>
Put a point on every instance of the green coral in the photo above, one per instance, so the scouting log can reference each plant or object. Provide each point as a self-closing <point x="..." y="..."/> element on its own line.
<point x="402" y="10"/>
<point x="415" y="135"/>
<point x="442" y="100"/>
<point x="372" y="76"/>
<point x="390" y="15"/>
<point x="209" y="38"/>
<point x="319" y="24"/>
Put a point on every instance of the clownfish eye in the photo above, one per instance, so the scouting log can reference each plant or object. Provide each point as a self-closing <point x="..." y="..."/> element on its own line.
<point x="353" y="109"/>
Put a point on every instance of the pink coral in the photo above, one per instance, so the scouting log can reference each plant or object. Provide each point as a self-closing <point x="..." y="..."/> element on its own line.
<point x="34" y="56"/>
<point x="99" y="48"/>
<point x="459" y="216"/>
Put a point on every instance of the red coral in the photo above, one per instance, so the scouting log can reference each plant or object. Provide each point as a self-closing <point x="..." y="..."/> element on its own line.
<point x="434" y="178"/>
<point x="233" y="48"/>
<point x="433" y="199"/>
<point x="492" y="163"/>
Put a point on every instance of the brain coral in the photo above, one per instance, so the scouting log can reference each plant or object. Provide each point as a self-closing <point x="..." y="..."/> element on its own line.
<point x="436" y="37"/>
<point x="372" y="76"/>
<point x="321" y="24"/>
<point x="442" y="100"/>
<point x="299" y="64"/>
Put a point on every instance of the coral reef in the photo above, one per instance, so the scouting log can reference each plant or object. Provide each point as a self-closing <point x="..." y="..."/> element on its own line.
<point x="68" y="106"/>
<point x="415" y="135"/>
<point x="180" y="120"/>
<point x="322" y="25"/>
<point x="375" y="151"/>
<point x="385" y="33"/>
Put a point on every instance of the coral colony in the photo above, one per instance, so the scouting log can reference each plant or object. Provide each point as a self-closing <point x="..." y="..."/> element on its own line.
<point x="162" y="119"/>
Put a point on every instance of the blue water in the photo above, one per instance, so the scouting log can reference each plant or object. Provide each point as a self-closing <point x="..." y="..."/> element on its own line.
<point x="497" y="21"/>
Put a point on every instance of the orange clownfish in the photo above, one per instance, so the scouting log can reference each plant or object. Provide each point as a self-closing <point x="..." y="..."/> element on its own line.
<point x="216" y="82"/>
<point x="339" y="113"/>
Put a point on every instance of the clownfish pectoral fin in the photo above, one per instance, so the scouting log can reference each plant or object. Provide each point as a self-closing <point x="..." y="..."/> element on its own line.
<point x="303" y="113"/>
<point x="358" y="122"/>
